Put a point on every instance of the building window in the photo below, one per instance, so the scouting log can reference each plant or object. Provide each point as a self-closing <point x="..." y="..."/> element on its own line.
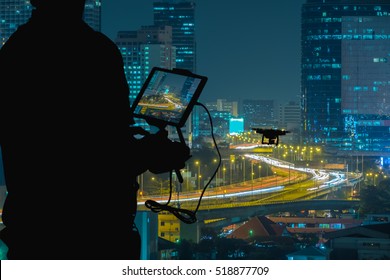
<point x="371" y="244"/>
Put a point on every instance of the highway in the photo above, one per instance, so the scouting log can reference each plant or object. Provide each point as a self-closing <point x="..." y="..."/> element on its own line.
<point x="288" y="183"/>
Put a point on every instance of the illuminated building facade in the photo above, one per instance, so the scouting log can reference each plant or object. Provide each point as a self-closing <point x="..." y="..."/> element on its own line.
<point x="345" y="74"/>
<point x="221" y="112"/>
<point x="12" y="14"/>
<point x="93" y="14"/>
<point x="16" y="12"/>
<point x="289" y="116"/>
<point x="236" y="125"/>
<point x="258" y="113"/>
<point x="168" y="227"/>
<point x="181" y="16"/>
<point x="142" y="50"/>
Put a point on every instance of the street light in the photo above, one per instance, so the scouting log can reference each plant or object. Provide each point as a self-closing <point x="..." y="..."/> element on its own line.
<point x="140" y="179"/>
<point x="161" y="185"/>
<point x="369" y="176"/>
<point x="231" y="172"/>
<point x="276" y="176"/>
<point x="252" y="173"/>
<point x="199" y="176"/>
<point x="259" y="170"/>
<point x="224" y="175"/>
<point x="216" y="174"/>
<point x="243" y="158"/>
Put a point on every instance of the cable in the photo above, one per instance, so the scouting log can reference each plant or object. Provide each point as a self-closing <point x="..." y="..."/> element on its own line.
<point x="219" y="155"/>
<point x="185" y="215"/>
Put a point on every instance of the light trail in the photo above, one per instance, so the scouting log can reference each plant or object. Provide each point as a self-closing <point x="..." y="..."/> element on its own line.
<point x="327" y="179"/>
<point x="338" y="178"/>
<point x="236" y="194"/>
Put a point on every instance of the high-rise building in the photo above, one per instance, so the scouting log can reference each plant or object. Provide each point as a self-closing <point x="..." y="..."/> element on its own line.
<point x="290" y="116"/>
<point x="93" y="14"/>
<point x="181" y="16"/>
<point x="142" y="50"/>
<point x="236" y="125"/>
<point x="223" y="105"/>
<point x="16" y="12"/>
<point x="258" y="113"/>
<point x="12" y="14"/>
<point x="290" y="120"/>
<point x="221" y="112"/>
<point x="346" y="75"/>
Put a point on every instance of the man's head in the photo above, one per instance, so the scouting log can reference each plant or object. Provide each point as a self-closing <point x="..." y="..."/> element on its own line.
<point x="69" y="8"/>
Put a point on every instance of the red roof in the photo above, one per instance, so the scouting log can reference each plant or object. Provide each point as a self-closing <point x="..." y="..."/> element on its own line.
<point x="259" y="226"/>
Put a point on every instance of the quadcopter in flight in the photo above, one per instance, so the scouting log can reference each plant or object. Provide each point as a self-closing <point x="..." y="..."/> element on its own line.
<point x="270" y="136"/>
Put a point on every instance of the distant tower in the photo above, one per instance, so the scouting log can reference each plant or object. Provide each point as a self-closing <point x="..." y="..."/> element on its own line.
<point x="93" y="14"/>
<point x="16" y="12"/>
<point x="290" y="116"/>
<point x="258" y="113"/>
<point x="12" y="14"/>
<point x="221" y="111"/>
<point x="142" y="50"/>
<point x="181" y="16"/>
<point x="345" y="86"/>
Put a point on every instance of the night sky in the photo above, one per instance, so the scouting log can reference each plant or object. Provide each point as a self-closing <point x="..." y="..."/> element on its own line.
<point x="249" y="49"/>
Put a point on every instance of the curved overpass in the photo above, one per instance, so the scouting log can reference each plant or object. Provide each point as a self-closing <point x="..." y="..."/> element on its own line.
<point x="295" y="191"/>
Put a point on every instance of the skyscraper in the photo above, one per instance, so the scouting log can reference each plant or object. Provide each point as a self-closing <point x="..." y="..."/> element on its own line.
<point x="142" y="50"/>
<point x="181" y="16"/>
<point x="289" y="116"/>
<point x="346" y="75"/>
<point x="16" y="12"/>
<point x="221" y="112"/>
<point x="258" y="113"/>
<point x="12" y="14"/>
<point x="93" y="14"/>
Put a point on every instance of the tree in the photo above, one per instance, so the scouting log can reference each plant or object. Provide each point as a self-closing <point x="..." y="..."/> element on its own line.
<point x="230" y="248"/>
<point x="185" y="250"/>
<point x="375" y="199"/>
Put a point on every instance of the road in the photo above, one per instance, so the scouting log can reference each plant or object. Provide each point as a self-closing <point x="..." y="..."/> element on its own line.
<point x="290" y="183"/>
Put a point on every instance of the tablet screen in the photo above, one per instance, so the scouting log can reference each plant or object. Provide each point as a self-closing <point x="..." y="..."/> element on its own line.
<point x="168" y="96"/>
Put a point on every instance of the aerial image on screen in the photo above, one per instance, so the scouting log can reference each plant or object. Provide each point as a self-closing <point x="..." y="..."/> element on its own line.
<point x="167" y="96"/>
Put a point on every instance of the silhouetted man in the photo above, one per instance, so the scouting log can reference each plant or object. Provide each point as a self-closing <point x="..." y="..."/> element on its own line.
<point x="68" y="154"/>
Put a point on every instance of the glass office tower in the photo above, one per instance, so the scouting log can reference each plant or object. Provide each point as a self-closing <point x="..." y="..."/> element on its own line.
<point x="148" y="47"/>
<point x="181" y="16"/>
<point x="93" y="14"/>
<point x="16" y="12"/>
<point x="345" y="74"/>
<point x="12" y="14"/>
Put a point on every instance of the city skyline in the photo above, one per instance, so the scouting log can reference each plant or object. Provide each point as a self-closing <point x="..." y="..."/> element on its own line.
<point x="251" y="53"/>
<point x="244" y="55"/>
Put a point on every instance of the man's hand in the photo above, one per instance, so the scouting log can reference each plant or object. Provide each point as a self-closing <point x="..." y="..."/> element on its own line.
<point x="166" y="155"/>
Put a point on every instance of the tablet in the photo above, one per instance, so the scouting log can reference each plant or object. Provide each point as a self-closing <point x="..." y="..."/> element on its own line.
<point x="167" y="97"/>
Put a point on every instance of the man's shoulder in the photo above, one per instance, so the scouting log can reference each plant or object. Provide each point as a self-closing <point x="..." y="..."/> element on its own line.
<point x="15" y="40"/>
<point x="103" y="40"/>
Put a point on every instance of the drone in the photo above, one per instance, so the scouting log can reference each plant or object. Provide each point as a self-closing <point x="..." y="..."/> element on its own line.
<point x="270" y="136"/>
